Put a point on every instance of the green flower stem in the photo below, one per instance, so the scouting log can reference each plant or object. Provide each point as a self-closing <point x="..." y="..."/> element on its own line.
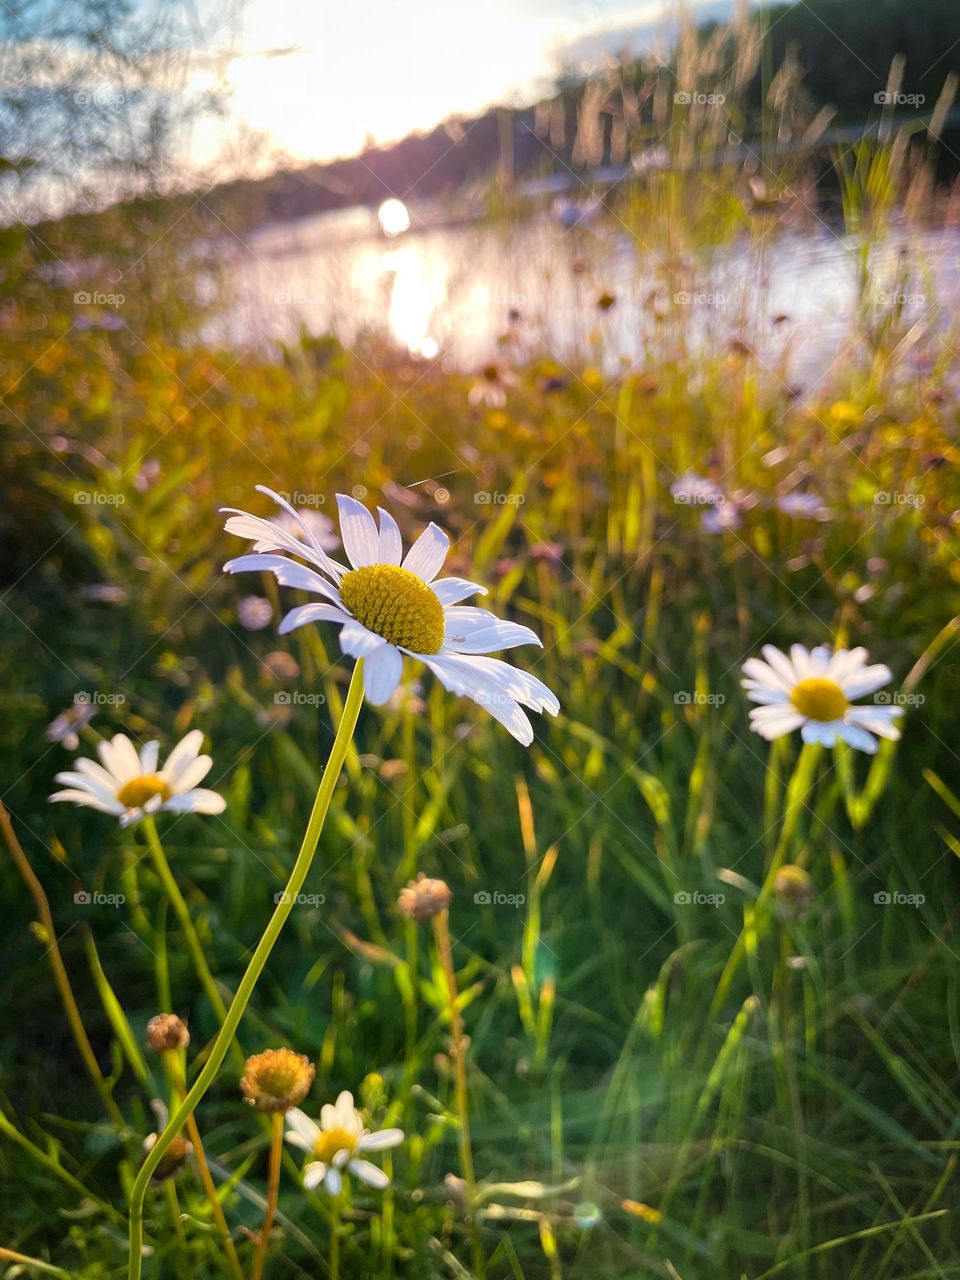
<point x="249" y="980"/>
<point x="195" y="946"/>
<point x="798" y="790"/>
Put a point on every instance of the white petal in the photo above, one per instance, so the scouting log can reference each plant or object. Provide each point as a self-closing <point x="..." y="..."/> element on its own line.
<point x="820" y="659"/>
<point x="390" y="548"/>
<point x="92" y="786"/>
<point x="358" y="532"/>
<point x="304" y="613"/>
<point x="289" y="573"/>
<point x="90" y="800"/>
<point x="858" y="738"/>
<point x="869" y="680"/>
<point x="765" y="695"/>
<point x="268" y="536"/>
<point x="800" y="658"/>
<point x="199" y="800"/>
<point x="844" y="663"/>
<point x="760" y="674"/>
<point x="358" y="642"/>
<point x="313" y="1174"/>
<point x="780" y="664"/>
<point x="453" y="590"/>
<point x="369" y="1173"/>
<point x="381" y="673"/>
<point x="822" y="731"/>
<point x="318" y="555"/>
<point x="491" y="638"/>
<point x="333" y="1181"/>
<point x="772" y="726"/>
<point x="96" y="773"/>
<point x="484" y="690"/>
<point x="119" y="757"/>
<point x="344" y="1105"/>
<point x="878" y="720"/>
<point x="381" y="1140"/>
<point x="182" y="756"/>
<point x="425" y="558"/>
<point x="298" y="1122"/>
<point x="192" y="774"/>
<point x="149" y="754"/>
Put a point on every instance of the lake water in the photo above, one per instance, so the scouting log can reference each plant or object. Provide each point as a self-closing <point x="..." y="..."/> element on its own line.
<point x="450" y="291"/>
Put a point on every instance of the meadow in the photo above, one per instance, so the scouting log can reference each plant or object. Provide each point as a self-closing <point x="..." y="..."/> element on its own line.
<point x="628" y="1047"/>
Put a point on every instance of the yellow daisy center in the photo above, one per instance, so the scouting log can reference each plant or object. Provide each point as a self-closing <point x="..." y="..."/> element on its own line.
<point x="333" y="1140"/>
<point x="396" y="604"/>
<point x="819" y="699"/>
<point x="135" y="793"/>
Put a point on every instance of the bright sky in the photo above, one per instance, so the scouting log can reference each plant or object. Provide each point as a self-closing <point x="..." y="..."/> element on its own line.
<point x="318" y="78"/>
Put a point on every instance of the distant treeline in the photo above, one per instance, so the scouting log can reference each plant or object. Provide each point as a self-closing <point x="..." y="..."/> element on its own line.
<point x="846" y="48"/>
<point x="840" y="52"/>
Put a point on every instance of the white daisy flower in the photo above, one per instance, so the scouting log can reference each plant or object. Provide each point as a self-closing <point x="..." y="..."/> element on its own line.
<point x="336" y="1143"/>
<point x="65" y="729"/>
<point x="130" y="786"/>
<point x="813" y="691"/>
<point x="388" y="605"/>
<point x="490" y="386"/>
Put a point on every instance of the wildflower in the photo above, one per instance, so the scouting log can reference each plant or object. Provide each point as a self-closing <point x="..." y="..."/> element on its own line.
<point x="64" y="728"/>
<point x="174" y="1158"/>
<point x="166" y="1031"/>
<point x="277" y="1079"/>
<point x="813" y="690"/>
<point x="336" y="1143"/>
<point x="255" y="612"/>
<point x="694" y="490"/>
<point x="802" y="506"/>
<point x="129" y="785"/>
<point x="386" y="609"/>
<point x="490" y="386"/>
<point x="422" y="899"/>
<point x="721" y="518"/>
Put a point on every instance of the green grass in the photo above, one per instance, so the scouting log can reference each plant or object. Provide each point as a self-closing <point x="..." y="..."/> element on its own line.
<point x="627" y="1119"/>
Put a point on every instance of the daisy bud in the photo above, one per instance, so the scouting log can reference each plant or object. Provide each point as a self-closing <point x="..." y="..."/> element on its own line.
<point x="277" y="1079"/>
<point x="172" y="1160"/>
<point x="793" y="890"/>
<point x="166" y="1031"/>
<point x="422" y="899"/>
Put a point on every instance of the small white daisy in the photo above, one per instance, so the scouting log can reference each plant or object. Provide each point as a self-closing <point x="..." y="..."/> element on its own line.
<point x="336" y="1143"/>
<point x="813" y="691"/>
<point x="130" y="786"/>
<point x="388" y="605"/>
<point x="65" y="729"/>
<point x="490" y="386"/>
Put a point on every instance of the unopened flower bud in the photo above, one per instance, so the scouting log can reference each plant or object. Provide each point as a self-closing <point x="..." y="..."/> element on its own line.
<point x="166" y="1031"/>
<point x="793" y="890"/>
<point x="277" y="1079"/>
<point x="422" y="899"/>
<point x="172" y="1160"/>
